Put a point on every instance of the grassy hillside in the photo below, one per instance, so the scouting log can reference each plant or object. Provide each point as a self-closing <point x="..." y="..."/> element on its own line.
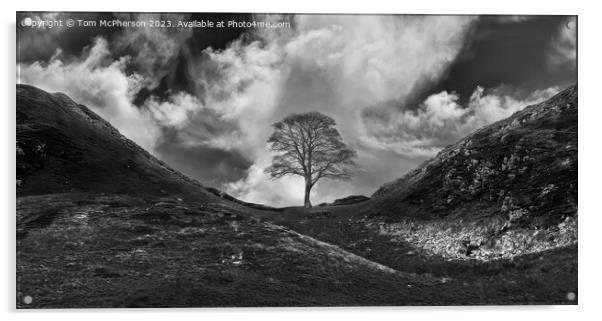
<point x="65" y="147"/>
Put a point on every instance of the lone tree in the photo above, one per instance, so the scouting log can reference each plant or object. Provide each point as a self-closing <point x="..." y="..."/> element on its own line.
<point x="309" y="146"/>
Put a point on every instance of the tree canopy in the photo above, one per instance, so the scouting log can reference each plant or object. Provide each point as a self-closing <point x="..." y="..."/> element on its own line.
<point x="310" y="146"/>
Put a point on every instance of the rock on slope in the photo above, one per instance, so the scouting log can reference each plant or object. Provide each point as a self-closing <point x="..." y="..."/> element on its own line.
<point x="507" y="189"/>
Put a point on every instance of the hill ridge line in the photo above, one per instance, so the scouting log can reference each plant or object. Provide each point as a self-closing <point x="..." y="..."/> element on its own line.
<point x="347" y="255"/>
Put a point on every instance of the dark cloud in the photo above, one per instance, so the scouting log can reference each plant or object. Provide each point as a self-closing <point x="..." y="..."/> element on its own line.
<point x="216" y="39"/>
<point x="39" y="44"/>
<point x="209" y="165"/>
<point x="509" y="52"/>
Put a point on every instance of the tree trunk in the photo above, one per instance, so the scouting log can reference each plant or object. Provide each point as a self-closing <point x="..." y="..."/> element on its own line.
<point x="307" y="190"/>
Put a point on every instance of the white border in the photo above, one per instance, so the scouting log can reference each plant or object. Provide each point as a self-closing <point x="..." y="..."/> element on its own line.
<point x="590" y="187"/>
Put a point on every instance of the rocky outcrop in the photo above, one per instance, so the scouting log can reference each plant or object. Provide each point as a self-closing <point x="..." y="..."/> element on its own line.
<point x="352" y="199"/>
<point x="518" y="175"/>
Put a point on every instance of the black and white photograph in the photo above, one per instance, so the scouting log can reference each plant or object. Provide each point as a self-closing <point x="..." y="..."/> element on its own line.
<point x="263" y="159"/>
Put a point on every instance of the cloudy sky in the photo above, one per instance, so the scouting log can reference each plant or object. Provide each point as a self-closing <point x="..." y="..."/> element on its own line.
<point x="400" y="87"/>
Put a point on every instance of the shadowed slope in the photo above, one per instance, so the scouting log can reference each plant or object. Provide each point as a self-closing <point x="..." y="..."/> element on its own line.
<point x="65" y="147"/>
<point x="525" y="165"/>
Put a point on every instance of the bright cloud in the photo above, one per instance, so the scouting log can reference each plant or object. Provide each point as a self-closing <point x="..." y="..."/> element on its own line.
<point x="441" y="120"/>
<point x="338" y="65"/>
<point x="100" y="83"/>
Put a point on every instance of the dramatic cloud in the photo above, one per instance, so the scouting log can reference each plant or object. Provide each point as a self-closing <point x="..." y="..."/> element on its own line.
<point x="33" y="44"/>
<point x="441" y="120"/>
<point x="564" y="46"/>
<point x="335" y="64"/>
<point x="211" y="166"/>
<point x="258" y="187"/>
<point x="361" y="70"/>
<point x="99" y="82"/>
<point x="154" y="51"/>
